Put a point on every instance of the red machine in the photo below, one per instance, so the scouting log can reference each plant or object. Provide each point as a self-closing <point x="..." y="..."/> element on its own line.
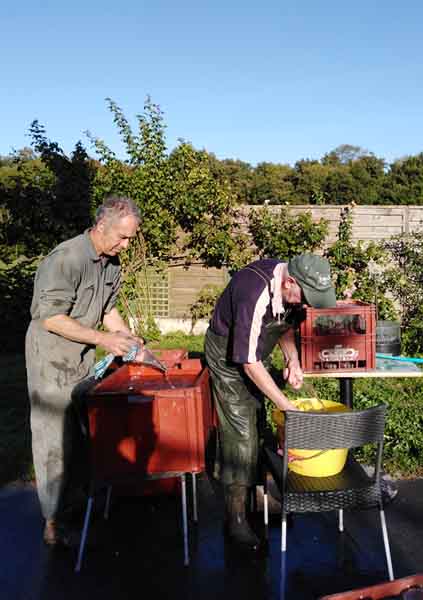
<point x="340" y="338"/>
<point x="146" y="422"/>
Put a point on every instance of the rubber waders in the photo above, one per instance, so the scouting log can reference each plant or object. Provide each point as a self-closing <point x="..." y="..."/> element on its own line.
<point x="237" y="529"/>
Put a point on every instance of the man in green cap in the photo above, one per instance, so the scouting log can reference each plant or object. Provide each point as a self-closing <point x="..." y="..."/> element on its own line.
<point x="260" y="308"/>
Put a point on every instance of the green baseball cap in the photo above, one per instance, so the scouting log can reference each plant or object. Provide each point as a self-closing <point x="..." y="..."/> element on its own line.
<point x="312" y="274"/>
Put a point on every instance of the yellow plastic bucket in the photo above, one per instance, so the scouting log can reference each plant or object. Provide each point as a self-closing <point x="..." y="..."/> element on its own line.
<point x="313" y="463"/>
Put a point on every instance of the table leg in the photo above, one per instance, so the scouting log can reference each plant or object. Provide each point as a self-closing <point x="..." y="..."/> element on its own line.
<point x="346" y="391"/>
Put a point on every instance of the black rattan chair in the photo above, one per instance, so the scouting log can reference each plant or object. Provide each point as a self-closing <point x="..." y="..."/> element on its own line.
<point x="352" y="488"/>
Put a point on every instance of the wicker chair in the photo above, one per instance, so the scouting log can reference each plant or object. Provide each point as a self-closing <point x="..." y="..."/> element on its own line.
<point x="351" y="488"/>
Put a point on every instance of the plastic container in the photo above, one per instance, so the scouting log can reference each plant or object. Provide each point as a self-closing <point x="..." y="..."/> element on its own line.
<point x="170" y="358"/>
<point x="388" y="337"/>
<point x="340" y="338"/>
<point x="313" y="463"/>
<point x="145" y="422"/>
<point x="381" y="591"/>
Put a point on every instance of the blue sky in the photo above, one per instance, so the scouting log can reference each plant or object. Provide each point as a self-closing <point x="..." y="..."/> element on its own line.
<point x="271" y="81"/>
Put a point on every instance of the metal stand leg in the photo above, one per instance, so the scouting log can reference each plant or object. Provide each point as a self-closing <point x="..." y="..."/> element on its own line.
<point x="346" y="391"/>
<point x="386" y="543"/>
<point x="194" y="497"/>
<point x="84" y="533"/>
<point x="283" y="557"/>
<point x="185" y="520"/>
<point x="107" y="506"/>
<point x="265" y="505"/>
<point x="341" y="520"/>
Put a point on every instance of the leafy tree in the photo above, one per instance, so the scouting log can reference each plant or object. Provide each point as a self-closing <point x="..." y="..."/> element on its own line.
<point x="356" y="268"/>
<point x="144" y="175"/>
<point x="16" y="283"/>
<point x="404" y="279"/>
<point x="344" y="154"/>
<point x="404" y="182"/>
<point x="340" y="187"/>
<point x="29" y="224"/>
<point x="71" y="189"/>
<point x="281" y="234"/>
<point x="308" y="181"/>
<point x="187" y="211"/>
<point x="368" y="172"/>
<point x="40" y="189"/>
<point x="206" y="211"/>
<point x="272" y="184"/>
<point x="239" y="175"/>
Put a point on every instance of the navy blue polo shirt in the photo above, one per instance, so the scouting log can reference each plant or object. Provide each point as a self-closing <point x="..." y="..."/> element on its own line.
<point x="245" y="308"/>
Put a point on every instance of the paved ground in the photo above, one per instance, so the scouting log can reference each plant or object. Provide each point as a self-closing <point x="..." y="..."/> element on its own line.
<point x="139" y="553"/>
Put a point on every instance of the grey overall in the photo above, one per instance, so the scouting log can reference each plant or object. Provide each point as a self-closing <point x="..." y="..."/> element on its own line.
<point x="237" y="402"/>
<point x="55" y="365"/>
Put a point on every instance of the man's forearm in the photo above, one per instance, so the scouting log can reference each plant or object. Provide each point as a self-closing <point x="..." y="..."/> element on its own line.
<point x="263" y="380"/>
<point x="118" y="342"/>
<point x="71" y="329"/>
<point x="288" y="346"/>
<point x="292" y="372"/>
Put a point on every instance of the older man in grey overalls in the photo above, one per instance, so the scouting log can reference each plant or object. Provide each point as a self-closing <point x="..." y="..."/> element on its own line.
<point x="75" y="290"/>
<point x="258" y="310"/>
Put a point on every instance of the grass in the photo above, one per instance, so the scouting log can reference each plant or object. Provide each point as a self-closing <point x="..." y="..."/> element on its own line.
<point x="194" y="343"/>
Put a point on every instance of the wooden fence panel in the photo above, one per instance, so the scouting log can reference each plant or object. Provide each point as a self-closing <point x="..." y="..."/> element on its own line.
<point x="370" y="223"/>
<point x="185" y="285"/>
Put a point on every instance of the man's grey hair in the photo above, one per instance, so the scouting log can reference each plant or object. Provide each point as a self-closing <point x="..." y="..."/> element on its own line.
<point x="116" y="207"/>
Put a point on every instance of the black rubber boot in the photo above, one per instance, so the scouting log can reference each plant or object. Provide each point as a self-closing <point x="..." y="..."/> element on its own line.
<point x="56" y="534"/>
<point x="237" y="529"/>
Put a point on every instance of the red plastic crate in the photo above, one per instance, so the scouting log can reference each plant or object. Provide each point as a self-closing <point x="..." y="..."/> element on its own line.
<point x="381" y="590"/>
<point x="139" y="425"/>
<point x="339" y="338"/>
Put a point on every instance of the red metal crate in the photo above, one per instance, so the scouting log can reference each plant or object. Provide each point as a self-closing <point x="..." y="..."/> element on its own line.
<point x="339" y="338"/>
<point x="381" y="590"/>
<point x="140" y="425"/>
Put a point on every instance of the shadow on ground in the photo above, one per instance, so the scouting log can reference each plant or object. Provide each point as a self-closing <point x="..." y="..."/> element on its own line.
<point x="139" y="551"/>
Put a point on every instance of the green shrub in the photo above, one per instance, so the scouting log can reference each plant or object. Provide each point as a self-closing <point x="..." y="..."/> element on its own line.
<point x="404" y="278"/>
<point x="16" y="285"/>
<point x="356" y="268"/>
<point x="284" y="235"/>
<point x="204" y="305"/>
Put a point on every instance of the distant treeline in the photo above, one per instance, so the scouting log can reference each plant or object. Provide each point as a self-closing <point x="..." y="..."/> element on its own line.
<point x="344" y="175"/>
<point x="347" y="174"/>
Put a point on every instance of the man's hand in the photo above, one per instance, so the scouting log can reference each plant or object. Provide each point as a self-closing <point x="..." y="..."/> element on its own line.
<point x="293" y="374"/>
<point x="140" y="354"/>
<point x="118" y="343"/>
